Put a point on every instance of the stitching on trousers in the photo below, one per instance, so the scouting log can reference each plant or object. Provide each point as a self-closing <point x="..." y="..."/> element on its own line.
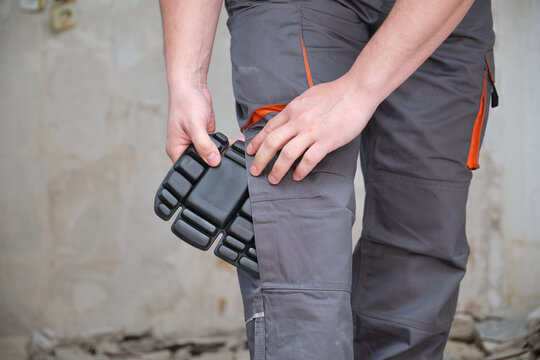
<point x="446" y="184"/>
<point x="256" y="199"/>
<point x="447" y="262"/>
<point x="306" y="286"/>
<point x="405" y="322"/>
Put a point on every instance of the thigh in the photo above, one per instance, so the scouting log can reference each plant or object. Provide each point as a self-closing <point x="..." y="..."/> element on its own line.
<point x="302" y="229"/>
<point x="418" y="156"/>
<point x="278" y="50"/>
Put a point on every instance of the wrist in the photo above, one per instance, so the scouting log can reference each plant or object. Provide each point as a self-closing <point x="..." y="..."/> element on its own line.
<point x="186" y="82"/>
<point x="362" y="92"/>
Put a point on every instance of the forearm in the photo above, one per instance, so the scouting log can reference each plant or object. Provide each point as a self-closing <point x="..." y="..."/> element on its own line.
<point x="411" y="33"/>
<point x="189" y="27"/>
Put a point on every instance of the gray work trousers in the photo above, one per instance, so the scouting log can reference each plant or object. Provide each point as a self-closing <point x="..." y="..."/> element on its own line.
<point x="395" y="295"/>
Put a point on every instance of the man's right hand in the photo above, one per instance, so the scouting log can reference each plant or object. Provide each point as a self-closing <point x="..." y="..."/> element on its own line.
<point x="189" y="27"/>
<point x="191" y="119"/>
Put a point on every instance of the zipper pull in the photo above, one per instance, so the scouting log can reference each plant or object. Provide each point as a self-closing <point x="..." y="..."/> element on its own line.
<point x="494" y="96"/>
<point x="494" y="93"/>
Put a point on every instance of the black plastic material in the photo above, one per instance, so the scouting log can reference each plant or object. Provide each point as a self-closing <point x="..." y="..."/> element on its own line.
<point x="213" y="201"/>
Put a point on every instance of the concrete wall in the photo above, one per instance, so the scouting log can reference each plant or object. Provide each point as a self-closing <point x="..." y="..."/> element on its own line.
<point x="82" y="137"/>
<point x="503" y="222"/>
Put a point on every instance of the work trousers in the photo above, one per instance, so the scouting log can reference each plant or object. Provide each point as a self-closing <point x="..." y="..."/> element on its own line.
<point x="395" y="295"/>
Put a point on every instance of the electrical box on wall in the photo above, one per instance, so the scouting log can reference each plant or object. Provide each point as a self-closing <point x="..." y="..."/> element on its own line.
<point x="63" y="15"/>
<point x="32" y="5"/>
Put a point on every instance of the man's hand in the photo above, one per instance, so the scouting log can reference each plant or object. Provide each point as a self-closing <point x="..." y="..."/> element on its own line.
<point x="191" y="118"/>
<point x="322" y="119"/>
<point x="189" y="27"/>
<point x="330" y="115"/>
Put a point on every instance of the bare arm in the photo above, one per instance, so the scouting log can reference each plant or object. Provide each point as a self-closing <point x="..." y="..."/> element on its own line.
<point x="189" y="27"/>
<point x="411" y="33"/>
<point x="319" y="121"/>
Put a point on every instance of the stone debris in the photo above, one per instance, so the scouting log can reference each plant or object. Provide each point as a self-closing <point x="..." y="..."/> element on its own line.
<point x="144" y="345"/>
<point x="463" y="328"/>
<point x="463" y="351"/>
<point x="502" y="336"/>
<point x="533" y="320"/>
<point x="41" y="342"/>
<point x="71" y="352"/>
<point x="506" y="335"/>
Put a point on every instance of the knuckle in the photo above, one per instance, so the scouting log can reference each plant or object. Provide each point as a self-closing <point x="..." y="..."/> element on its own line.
<point x="309" y="160"/>
<point x="205" y="148"/>
<point x="303" y="120"/>
<point x="287" y="153"/>
<point x="277" y="169"/>
<point x="188" y="125"/>
<point x="268" y="128"/>
<point x="272" y="141"/>
<point x="292" y="106"/>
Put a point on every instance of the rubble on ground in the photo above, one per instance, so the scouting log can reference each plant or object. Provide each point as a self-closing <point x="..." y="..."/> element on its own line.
<point x="500" y="336"/>
<point x="145" y="345"/>
<point x="505" y="335"/>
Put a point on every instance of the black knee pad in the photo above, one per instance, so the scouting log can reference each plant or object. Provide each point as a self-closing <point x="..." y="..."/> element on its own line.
<point x="213" y="201"/>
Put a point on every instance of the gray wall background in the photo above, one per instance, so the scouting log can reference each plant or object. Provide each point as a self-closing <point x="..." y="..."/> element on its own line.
<point x="82" y="138"/>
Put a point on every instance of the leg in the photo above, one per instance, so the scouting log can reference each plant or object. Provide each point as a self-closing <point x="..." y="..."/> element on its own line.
<point x="417" y="157"/>
<point x="300" y="307"/>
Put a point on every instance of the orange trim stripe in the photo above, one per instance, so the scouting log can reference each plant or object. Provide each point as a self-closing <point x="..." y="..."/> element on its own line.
<point x="261" y="112"/>
<point x="308" y="72"/>
<point x="489" y="69"/>
<point x="472" y="161"/>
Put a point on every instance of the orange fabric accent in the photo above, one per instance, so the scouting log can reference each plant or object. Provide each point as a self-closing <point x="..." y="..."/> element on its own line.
<point x="489" y="70"/>
<point x="472" y="161"/>
<point x="261" y="112"/>
<point x="308" y="72"/>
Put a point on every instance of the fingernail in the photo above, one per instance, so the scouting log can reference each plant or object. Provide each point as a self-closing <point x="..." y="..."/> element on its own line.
<point x="212" y="159"/>
<point x="272" y="179"/>
<point x="296" y="177"/>
<point x="249" y="148"/>
<point x="253" y="170"/>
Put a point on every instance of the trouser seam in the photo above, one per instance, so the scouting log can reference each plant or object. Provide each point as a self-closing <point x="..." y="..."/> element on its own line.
<point x="405" y="322"/>
<point x="370" y="239"/>
<point x="442" y="183"/>
<point x="260" y="331"/>
<point x="255" y="199"/>
<point x="304" y="287"/>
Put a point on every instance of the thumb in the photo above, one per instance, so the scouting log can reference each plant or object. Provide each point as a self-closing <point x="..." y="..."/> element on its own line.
<point x="205" y="147"/>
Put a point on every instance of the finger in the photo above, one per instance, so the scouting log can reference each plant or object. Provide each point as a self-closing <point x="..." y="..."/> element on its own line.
<point x="205" y="147"/>
<point x="270" y="146"/>
<point x="175" y="150"/>
<point x="289" y="153"/>
<point x="273" y="124"/>
<point x="311" y="158"/>
<point x="235" y="140"/>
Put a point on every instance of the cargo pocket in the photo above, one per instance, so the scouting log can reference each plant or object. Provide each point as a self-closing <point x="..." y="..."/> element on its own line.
<point x="480" y="123"/>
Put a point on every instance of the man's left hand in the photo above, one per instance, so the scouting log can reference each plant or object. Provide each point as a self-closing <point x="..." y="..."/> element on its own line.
<point x="322" y="119"/>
